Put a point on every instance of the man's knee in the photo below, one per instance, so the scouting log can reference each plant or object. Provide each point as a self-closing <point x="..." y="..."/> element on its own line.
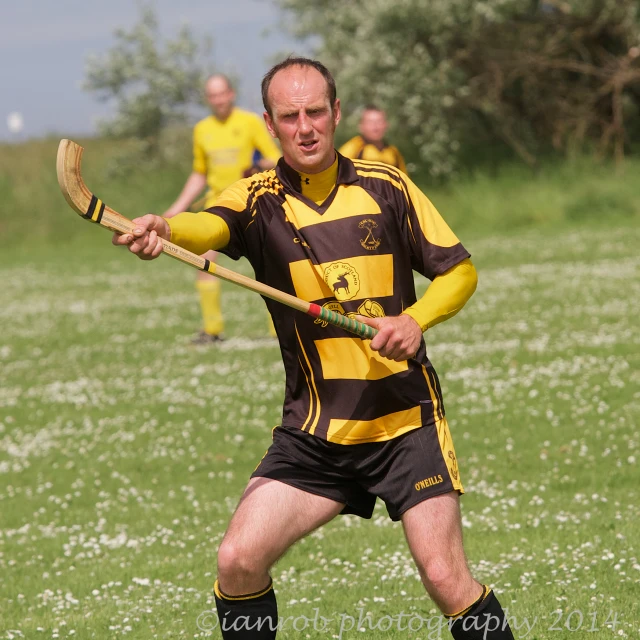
<point x="235" y="559"/>
<point x="444" y="574"/>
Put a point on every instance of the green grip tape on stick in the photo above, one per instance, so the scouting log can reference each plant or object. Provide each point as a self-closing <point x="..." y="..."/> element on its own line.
<point x="344" y="322"/>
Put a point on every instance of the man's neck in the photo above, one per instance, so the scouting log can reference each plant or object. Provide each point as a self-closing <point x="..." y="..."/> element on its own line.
<point x="310" y="171"/>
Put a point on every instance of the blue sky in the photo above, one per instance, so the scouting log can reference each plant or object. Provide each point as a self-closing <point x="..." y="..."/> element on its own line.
<point x="44" y="45"/>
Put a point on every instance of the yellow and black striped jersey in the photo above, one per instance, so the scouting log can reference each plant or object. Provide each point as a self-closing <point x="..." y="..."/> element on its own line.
<point x="360" y="149"/>
<point x="354" y="253"/>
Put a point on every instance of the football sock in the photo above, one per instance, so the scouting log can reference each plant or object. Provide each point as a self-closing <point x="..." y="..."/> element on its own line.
<point x="250" y="617"/>
<point x="209" y="291"/>
<point x="483" y="620"/>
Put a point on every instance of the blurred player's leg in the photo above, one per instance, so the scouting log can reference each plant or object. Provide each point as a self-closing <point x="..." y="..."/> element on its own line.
<point x="209" y="290"/>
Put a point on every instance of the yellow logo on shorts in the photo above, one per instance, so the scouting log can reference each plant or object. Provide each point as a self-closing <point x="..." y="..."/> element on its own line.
<point x="453" y="464"/>
<point x="428" y="482"/>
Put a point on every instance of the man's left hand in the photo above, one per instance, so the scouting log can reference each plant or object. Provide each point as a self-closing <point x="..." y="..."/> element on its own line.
<point x="398" y="337"/>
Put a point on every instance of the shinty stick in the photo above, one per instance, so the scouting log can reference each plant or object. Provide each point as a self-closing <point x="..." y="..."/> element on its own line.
<point x="93" y="209"/>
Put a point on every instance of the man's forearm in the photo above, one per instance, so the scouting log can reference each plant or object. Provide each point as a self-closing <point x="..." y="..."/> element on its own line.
<point x="446" y="295"/>
<point x="195" y="183"/>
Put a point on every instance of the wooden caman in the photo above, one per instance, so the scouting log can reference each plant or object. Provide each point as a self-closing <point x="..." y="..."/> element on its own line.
<point x="93" y="209"/>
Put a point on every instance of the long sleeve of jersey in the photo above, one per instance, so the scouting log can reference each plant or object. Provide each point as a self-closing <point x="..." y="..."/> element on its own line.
<point x="199" y="232"/>
<point x="445" y="296"/>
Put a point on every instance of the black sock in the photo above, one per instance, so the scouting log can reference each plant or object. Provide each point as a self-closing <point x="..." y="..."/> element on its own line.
<point x="483" y="620"/>
<point x="250" y="617"/>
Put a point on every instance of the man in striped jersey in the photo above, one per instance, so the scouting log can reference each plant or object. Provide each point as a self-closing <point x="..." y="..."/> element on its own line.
<point x="360" y="420"/>
<point x="371" y="143"/>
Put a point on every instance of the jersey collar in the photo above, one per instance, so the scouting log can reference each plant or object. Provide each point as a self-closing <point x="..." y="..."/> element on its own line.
<point x="228" y="118"/>
<point x="378" y="145"/>
<point x="290" y="178"/>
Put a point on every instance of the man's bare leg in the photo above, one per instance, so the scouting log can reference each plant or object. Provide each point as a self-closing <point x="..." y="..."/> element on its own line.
<point x="270" y="518"/>
<point x="433" y="529"/>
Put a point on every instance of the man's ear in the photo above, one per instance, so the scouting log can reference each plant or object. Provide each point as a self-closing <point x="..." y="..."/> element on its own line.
<point x="336" y="112"/>
<point x="269" y="122"/>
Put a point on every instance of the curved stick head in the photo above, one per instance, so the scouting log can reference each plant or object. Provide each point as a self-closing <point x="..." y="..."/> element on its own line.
<point x="70" y="180"/>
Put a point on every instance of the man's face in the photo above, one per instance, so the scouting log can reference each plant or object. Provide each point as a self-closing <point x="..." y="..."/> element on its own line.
<point x="302" y="118"/>
<point x="220" y="97"/>
<point x="373" y="125"/>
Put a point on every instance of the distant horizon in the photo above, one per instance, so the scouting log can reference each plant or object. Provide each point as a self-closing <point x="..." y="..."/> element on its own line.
<point x="51" y="47"/>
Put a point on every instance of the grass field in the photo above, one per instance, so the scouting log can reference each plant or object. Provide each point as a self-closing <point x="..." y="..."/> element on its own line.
<point x="123" y="449"/>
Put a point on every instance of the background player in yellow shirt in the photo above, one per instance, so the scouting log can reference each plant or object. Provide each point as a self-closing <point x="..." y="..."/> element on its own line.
<point x="223" y="148"/>
<point x="370" y="144"/>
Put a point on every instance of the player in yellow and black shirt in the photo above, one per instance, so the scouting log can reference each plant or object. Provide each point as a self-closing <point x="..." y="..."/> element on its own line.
<point x="371" y="143"/>
<point x="223" y="151"/>
<point x="341" y="253"/>
<point x="361" y="420"/>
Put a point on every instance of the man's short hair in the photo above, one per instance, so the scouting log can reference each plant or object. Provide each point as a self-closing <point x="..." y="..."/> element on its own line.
<point x="372" y="107"/>
<point x="293" y="61"/>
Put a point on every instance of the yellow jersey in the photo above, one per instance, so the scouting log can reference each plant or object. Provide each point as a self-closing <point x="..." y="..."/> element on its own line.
<point x="359" y="149"/>
<point x="224" y="150"/>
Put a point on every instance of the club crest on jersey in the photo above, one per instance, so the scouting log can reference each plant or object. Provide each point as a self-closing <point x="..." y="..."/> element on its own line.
<point x="371" y="309"/>
<point x="343" y="280"/>
<point x="369" y="242"/>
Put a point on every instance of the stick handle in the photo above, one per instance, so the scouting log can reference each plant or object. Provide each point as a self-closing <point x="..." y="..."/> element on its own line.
<point x="116" y="222"/>
<point x="86" y="204"/>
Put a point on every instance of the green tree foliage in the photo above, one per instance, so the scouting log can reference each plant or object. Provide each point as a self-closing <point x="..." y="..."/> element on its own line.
<point x="459" y="77"/>
<point x="152" y="82"/>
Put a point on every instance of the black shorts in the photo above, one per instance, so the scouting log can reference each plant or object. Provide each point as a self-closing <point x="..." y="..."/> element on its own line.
<point x="403" y="471"/>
